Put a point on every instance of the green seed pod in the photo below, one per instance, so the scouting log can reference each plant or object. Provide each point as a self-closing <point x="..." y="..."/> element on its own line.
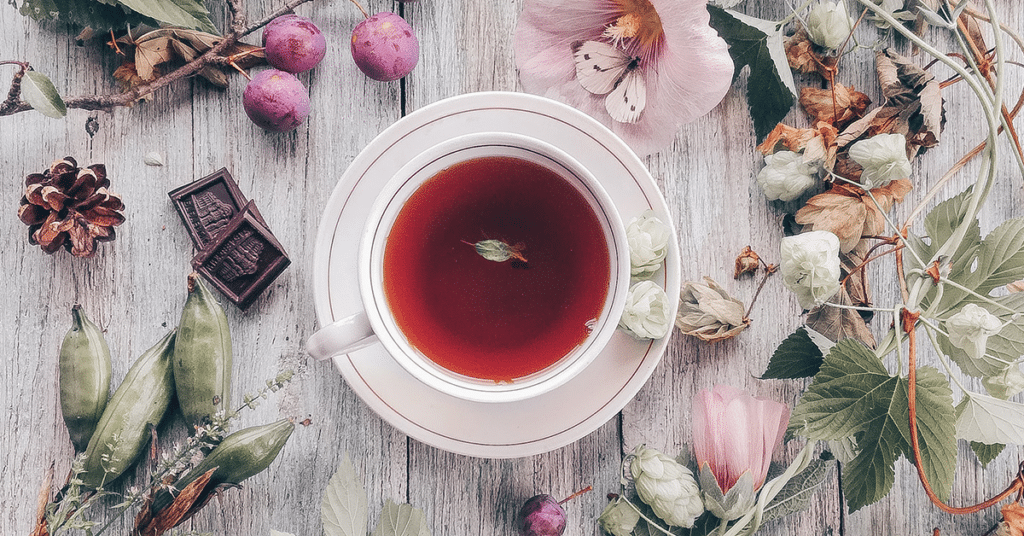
<point x="202" y="355"/>
<point x="138" y="403"/>
<point x="239" y="456"/>
<point x="84" y="378"/>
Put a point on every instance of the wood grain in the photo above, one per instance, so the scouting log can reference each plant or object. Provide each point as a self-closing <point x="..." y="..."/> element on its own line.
<point x="135" y="286"/>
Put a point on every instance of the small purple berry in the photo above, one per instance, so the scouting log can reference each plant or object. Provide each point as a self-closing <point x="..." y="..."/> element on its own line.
<point x="385" y="47"/>
<point x="293" y="43"/>
<point x="276" y="100"/>
<point x="541" y="515"/>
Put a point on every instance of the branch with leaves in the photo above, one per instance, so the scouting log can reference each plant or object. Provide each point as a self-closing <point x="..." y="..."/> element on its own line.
<point x="189" y="32"/>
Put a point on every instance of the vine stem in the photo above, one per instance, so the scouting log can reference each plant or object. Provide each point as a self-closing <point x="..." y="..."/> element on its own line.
<point x="908" y="321"/>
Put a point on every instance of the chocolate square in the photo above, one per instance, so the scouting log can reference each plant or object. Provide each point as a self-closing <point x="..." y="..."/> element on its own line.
<point x="244" y="259"/>
<point x="207" y="205"/>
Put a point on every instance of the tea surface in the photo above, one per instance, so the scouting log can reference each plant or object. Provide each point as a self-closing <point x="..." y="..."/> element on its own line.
<point x="496" y="320"/>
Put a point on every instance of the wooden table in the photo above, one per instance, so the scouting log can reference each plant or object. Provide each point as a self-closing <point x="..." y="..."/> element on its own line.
<point x="135" y="286"/>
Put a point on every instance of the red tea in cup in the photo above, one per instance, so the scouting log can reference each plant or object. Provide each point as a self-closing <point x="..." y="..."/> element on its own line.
<point x="483" y="318"/>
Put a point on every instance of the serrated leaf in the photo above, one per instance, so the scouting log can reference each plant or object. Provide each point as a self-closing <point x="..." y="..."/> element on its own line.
<point x="986" y="419"/>
<point x="796" y="495"/>
<point x="184" y="13"/>
<point x="854" y="395"/>
<point x="344" y="510"/>
<point x="797" y="357"/>
<point x="986" y="453"/>
<point x="846" y="394"/>
<point x="401" y="520"/>
<point x="39" y="92"/>
<point x="942" y="220"/>
<point x="936" y="429"/>
<point x="998" y="261"/>
<point x="771" y="91"/>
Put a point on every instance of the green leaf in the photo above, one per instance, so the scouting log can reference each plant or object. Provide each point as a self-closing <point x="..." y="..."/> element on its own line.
<point x="39" y="92"/>
<point x="942" y="220"/>
<point x="183" y="13"/>
<point x="796" y="357"/>
<point x="986" y="453"/>
<point x="998" y="261"/>
<point x="796" y="495"/>
<point x="846" y="394"/>
<point x="401" y="520"/>
<point x="936" y="430"/>
<point x="344" y="508"/>
<point x="97" y="15"/>
<point x="771" y="90"/>
<point x="854" y="395"/>
<point x="986" y="419"/>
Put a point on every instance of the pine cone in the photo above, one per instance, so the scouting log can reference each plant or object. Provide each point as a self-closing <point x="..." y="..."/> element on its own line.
<point x="70" y="207"/>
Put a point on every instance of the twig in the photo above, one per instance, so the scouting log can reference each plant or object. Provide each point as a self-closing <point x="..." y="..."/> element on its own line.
<point x="14" y="95"/>
<point x="211" y="56"/>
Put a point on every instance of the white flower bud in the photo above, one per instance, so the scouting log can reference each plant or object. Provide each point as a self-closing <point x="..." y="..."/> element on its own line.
<point x="648" y="244"/>
<point x="970" y="329"/>
<point x="884" y="159"/>
<point x="646" y="315"/>
<point x="810" y="266"/>
<point x="619" y="518"/>
<point x="785" y="176"/>
<point x="829" y="25"/>
<point x="666" y="486"/>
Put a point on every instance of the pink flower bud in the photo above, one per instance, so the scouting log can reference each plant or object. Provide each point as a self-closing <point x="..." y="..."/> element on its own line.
<point x="734" y="432"/>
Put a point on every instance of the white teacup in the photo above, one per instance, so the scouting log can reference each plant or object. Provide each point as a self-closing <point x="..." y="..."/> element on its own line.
<point x="376" y="323"/>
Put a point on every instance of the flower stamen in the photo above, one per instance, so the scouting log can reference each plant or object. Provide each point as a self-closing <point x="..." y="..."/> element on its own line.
<point x="638" y="26"/>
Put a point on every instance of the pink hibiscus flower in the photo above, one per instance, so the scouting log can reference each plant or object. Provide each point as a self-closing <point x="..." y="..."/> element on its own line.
<point x="683" y="67"/>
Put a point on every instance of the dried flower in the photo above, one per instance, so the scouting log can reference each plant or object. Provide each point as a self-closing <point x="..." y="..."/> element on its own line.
<point x="810" y="266"/>
<point x="884" y="159"/>
<point x="646" y="315"/>
<point x="665" y="47"/>
<point x="618" y="518"/>
<point x="828" y="24"/>
<point x="707" y="312"/>
<point x="734" y="435"/>
<point x="648" y="241"/>
<point x="666" y="486"/>
<point x="785" y="176"/>
<point x="747" y="262"/>
<point x="970" y="328"/>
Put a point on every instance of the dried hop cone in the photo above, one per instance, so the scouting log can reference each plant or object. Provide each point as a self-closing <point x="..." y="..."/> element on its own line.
<point x="70" y="207"/>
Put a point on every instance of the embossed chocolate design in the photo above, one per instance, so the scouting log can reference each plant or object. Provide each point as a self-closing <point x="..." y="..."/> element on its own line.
<point x="207" y="205"/>
<point x="244" y="259"/>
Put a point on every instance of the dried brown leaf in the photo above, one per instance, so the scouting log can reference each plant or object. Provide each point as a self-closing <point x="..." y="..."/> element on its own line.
<point x="849" y="212"/>
<point x="1013" y="518"/>
<point x="817" y="143"/>
<point x="856" y="279"/>
<point x="838" y="106"/>
<point x="41" y="528"/>
<point x="148" y="523"/>
<point x="840" y="323"/>
<point x="803" y="56"/>
<point x="151" y="53"/>
<point x="1016" y="286"/>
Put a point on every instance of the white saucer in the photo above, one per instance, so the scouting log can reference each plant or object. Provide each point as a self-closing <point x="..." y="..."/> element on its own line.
<point x="506" y="430"/>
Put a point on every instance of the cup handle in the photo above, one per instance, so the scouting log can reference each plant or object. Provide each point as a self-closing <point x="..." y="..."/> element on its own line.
<point x="346" y="335"/>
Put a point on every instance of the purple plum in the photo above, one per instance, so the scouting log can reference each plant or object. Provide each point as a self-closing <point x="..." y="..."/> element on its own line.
<point x="541" y="515"/>
<point x="293" y="43"/>
<point x="385" y="47"/>
<point x="276" y="100"/>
